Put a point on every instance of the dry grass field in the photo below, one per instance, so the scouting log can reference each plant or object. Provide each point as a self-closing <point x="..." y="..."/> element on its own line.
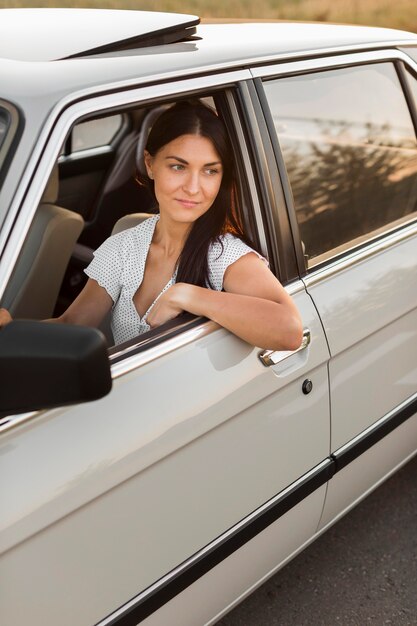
<point x="394" y="14"/>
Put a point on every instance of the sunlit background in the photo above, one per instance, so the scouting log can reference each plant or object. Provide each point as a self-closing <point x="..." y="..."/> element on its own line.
<point x="394" y="14"/>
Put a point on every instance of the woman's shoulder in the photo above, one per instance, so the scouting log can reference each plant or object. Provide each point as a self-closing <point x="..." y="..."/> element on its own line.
<point x="230" y="246"/>
<point x="223" y="252"/>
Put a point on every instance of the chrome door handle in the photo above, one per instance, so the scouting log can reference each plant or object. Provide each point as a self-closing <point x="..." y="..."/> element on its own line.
<point x="273" y="357"/>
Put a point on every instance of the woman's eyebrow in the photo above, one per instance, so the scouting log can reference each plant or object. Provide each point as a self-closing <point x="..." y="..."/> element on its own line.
<point x="177" y="158"/>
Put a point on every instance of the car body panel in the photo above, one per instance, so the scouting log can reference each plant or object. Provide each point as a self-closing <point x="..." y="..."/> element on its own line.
<point x="228" y="449"/>
<point x="370" y="328"/>
<point x="230" y="582"/>
<point x="355" y="481"/>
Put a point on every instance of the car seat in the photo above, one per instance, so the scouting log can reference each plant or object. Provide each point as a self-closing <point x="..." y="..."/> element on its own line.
<point x="36" y="280"/>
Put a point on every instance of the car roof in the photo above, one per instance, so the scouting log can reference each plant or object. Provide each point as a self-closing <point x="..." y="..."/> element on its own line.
<point x="52" y="34"/>
<point x="114" y="56"/>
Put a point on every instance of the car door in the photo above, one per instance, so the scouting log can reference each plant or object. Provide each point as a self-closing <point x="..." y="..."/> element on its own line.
<point x="347" y="131"/>
<point x="201" y="472"/>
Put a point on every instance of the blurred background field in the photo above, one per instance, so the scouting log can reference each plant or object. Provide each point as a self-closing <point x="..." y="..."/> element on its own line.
<point x="390" y="13"/>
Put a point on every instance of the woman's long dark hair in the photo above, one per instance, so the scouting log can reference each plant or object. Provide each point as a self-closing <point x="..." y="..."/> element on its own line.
<point x="195" y="118"/>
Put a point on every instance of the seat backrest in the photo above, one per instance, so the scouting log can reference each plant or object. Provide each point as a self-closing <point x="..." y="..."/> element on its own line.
<point x="36" y="280"/>
<point x="129" y="221"/>
<point x="147" y="124"/>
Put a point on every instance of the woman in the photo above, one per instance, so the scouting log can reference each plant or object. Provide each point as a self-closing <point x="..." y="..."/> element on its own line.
<point x="192" y="256"/>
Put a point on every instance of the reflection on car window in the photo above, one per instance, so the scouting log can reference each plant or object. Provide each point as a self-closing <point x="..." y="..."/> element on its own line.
<point x="351" y="153"/>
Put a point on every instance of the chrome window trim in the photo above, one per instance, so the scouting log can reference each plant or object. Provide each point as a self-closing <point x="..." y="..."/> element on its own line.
<point x="374" y="247"/>
<point x="79" y="155"/>
<point x="330" y="62"/>
<point x="55" y="131"/>
<point x="12" y="421"/>
<point x="162" y="349"/>
<point x="317" y="54"/>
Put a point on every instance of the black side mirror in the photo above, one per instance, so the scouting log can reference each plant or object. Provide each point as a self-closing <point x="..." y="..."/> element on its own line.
<point x="45" y="365"/>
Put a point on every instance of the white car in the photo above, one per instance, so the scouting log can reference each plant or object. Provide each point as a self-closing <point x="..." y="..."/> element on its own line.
<point x="161" y="480"/>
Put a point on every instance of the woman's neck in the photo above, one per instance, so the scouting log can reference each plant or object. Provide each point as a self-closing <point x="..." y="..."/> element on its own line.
<point x="170" y="236"/>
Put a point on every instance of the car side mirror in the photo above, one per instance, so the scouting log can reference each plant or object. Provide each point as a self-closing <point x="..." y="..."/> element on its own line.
<point x="45" y="365"/>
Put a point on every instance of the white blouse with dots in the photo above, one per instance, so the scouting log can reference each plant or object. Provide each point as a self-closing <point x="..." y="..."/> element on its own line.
<point x="119" y="264"/>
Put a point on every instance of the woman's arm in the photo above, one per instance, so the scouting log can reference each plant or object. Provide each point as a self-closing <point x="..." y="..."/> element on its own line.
<point x="88" y="309"/>
<point x="254" y="306"/>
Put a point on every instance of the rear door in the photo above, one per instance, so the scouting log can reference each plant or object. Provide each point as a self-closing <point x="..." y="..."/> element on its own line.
<point x="202" y="471"/>
<point x="347" y="132"/>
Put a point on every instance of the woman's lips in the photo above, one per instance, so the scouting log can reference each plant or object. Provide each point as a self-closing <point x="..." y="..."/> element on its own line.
<point x="189" y="204"/>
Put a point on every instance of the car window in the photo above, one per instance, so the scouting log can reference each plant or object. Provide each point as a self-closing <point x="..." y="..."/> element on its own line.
<point x="350" y="151"/>
<point x="95" y="133"/>
<point x="120" y="202"/>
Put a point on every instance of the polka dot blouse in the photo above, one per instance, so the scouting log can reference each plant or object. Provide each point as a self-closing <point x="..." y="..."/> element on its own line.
<point x="119" y="264"/>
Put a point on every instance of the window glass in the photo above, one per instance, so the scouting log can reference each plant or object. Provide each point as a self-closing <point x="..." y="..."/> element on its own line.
<point x="95" y="133"/>
<point x="350" y="151"/>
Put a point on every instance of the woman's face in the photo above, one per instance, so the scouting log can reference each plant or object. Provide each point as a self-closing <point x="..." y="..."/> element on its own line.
<point x="187" y="173"/>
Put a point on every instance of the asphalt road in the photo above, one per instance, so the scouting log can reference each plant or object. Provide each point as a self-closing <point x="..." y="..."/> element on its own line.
<point x="362" y="571"/>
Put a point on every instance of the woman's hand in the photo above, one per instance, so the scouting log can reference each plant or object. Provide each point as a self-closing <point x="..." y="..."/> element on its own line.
<point x="5" y="317"/>
<point x="169" y="305"/>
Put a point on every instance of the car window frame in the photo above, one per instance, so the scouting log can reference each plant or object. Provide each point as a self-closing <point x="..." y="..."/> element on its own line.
<point x="410" y="51"/>
<point x="13" y="131"/>
<point x="371" y="244"/>
<point x="177" y="333"/>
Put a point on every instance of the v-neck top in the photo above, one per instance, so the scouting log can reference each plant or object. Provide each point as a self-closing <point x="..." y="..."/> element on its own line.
<point x="119" y="265"/>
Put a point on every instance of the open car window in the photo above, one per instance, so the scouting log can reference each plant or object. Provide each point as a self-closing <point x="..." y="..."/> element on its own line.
<point x="88" y="199"/>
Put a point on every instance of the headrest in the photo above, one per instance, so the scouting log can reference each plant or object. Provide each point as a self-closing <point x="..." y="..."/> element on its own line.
<point x="145" y="129"/>
<point x="50" y="194"/>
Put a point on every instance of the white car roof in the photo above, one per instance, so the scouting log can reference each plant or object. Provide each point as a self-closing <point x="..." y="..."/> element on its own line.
<point x="52" y="34"/>
<point x="105" y="44"/>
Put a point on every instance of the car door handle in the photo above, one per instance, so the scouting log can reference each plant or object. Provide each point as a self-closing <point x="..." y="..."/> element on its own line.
<point x="273" y="357"/>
